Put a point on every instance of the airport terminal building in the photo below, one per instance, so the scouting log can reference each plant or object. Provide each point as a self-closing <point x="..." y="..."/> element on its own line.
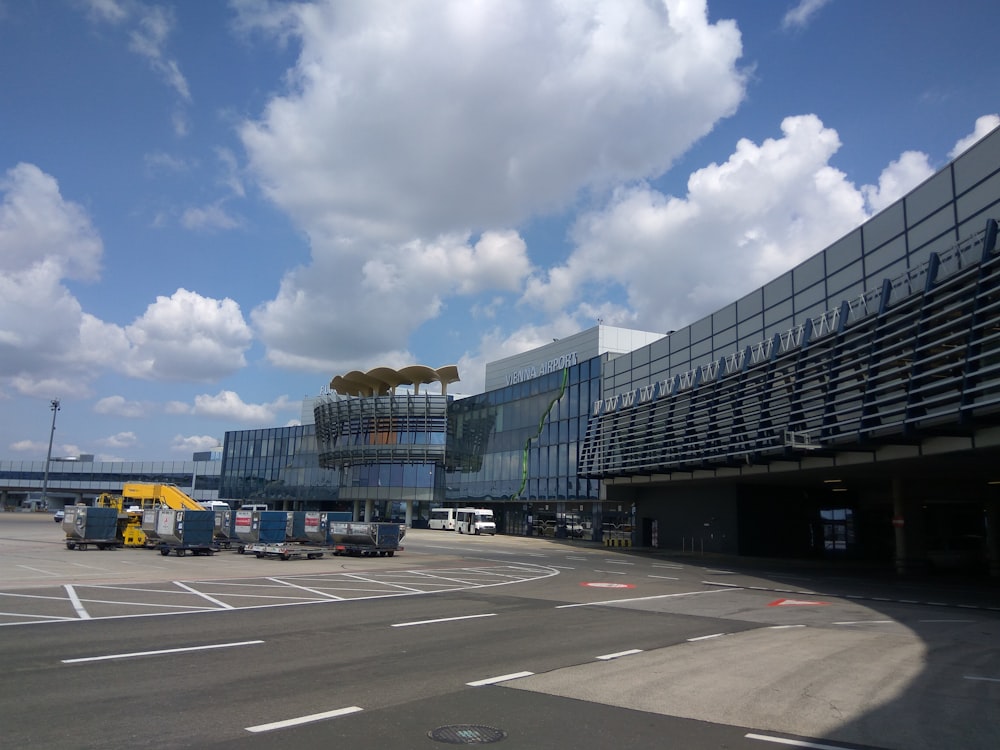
<point x="848" y="408"/>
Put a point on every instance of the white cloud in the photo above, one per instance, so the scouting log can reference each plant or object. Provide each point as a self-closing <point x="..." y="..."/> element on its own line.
<point x="228" y="405"/>
<point x="409" y="126"/>
<point x="194" y="443"/>
<point x="148" y="27"/>
<point x="37" y="226"/>
<point x="802" y="14"/>
<point x="119" y="406"/>
<point x="209" y="217"/>
<point x="120" y="440"/>
<point x="984" y="125"/>
<point x="187" y="337"/>
<point x="742" y="223"/>
<point x="896" y="180"/>
<point x="177" y="407"/>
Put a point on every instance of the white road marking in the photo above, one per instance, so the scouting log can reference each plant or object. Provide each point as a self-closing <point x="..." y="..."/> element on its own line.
<point x="212" y="599"/>
<point x="77" y="604"/>
<point x="618" y="562"/>
<point x="611" y="572"/>
<point x="159" y="652"/>
<point x="794" y="743"/>
<point x="865" y="622"/>
<point x="705" y="637"/>
<point x="38" y="570"/>
<point x="982" y="679"/>
<point x="642" y="598"/>
<point x="305" y="719"/>
<point x="442" y="619"/>
<point x="666" y="578"/>
<point x="305" y="588"/>
<point x="609" y="657"/>
<point x="501" y="678"/>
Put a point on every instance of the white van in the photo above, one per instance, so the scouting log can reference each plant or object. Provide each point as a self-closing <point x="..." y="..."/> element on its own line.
<point x="475" y="521"/>
<point x="442" y="518"/>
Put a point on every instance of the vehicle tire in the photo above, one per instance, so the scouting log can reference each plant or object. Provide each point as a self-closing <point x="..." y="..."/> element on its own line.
<point x="165" y="551"/>
<point x="70" y="545"/>
<point x="391" y="552"/>
<point x="285" y="556"/>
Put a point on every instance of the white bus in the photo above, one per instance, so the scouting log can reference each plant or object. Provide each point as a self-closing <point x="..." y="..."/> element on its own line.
<point x="475" y="521"/>
<point x="442" y="518"/>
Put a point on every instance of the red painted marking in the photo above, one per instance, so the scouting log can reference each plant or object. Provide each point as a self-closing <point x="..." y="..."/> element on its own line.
<point x="795" y="603"/>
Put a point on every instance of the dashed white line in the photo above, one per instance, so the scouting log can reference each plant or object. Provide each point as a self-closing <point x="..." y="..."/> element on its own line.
<point x="609" y="657"/>
<point x="705" y="637"/>
<point x="501" y="678"/>
<point x="305" y="719"/>
<point x="666" y="578"/>
<point x="794" y="743"/>
<point x="159" y="652"/>
<point x="611" y="572"/>
<point x="982" y="679"/>
<point x="440" y="619"/>
<point x="865" y="622"/>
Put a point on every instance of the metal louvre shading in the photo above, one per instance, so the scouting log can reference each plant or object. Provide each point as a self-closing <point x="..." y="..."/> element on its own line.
<point x="381" y="429"/>
<point x="918" y="355"/>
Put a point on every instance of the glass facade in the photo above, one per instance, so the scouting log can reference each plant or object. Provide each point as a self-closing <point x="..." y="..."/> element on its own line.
<point x="278" y="466"/>
<point x="84" y="480"/>
<point x="515" y="450"/>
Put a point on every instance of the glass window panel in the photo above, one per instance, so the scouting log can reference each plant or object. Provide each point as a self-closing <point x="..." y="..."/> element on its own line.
<point x="808" y="273"/>
<point x="778" y="290"/>
<point x="884" y="226"/>
<point x="724" y="318"/>
<point x="929" y="197"/>
<point x="976" y="163"/>
<point x="844" y="252"/>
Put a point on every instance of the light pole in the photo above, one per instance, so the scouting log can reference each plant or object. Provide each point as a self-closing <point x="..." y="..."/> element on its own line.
<point x="48" y="457"/>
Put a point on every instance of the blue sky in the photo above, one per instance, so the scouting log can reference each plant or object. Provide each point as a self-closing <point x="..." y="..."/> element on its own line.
<point x="209" y="209"/>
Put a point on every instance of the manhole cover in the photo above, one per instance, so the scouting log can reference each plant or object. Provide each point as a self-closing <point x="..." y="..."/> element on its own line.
<point x="467" y="734"/>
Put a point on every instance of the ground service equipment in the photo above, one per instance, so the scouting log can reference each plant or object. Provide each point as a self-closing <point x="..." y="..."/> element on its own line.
<point x="85" y="525"/>
<point x="366" y="538"/>
<point x="183" y="531"/>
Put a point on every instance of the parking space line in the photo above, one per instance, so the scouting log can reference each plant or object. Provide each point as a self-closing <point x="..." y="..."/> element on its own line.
<point x="305" y="719"/>
<point x="212" y="599"/>
<point x="306" y="588"/>
<point x="77" y="604"/>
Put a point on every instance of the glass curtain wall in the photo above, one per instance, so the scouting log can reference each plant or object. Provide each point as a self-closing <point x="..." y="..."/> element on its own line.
<point x="277" y="466"/>
<point x="515" y="450"/>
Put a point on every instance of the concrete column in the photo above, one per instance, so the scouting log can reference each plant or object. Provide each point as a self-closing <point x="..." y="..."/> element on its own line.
<point x="357" y="511"/>
<point x="369" y="508"/>
<point x="409" y="514"/>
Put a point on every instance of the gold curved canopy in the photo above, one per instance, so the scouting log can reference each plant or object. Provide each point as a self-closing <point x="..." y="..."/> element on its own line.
<point x="381" y="381"/>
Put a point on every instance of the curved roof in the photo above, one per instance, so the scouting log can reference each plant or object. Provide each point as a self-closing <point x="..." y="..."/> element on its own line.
<point x="381" y="381"/>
